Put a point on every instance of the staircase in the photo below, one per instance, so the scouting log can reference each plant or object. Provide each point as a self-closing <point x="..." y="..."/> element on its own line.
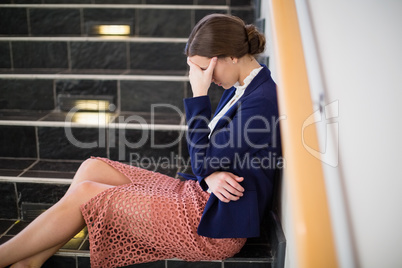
<point x="67" y="92"/>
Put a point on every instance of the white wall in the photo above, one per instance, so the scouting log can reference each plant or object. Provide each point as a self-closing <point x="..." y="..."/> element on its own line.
<point x="360" y="50"/>
<point x="359" y="46"/>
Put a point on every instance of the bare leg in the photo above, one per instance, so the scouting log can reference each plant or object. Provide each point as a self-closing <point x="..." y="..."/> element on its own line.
<point x="38" y="259"/>
<point x="98" y="171"/>
<point x="44" y="236"/>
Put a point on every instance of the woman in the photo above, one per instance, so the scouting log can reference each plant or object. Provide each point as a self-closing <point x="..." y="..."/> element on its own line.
<point x="136" y="216"/>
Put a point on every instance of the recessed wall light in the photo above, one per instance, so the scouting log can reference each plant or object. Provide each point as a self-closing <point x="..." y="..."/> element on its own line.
<point x="112" y="29"/>
<point x="88" y="103"/>
<point x="90" y="118"/>
<point x="92" y="105"/>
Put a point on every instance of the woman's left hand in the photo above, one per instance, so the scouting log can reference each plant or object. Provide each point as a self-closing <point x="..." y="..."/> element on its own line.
<point x="200" y="79"/>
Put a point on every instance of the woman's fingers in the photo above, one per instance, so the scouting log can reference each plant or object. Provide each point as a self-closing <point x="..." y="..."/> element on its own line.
<point x="226" y="197"/>
<point x="225" y="186"/>
<point x="234" y="180"/>
<point x="200" y="79"/>
<point x="233" y="191"/>
<point x="222" y="198"/>
<point x="211" y="66"/>
<point x="191" y="64"/>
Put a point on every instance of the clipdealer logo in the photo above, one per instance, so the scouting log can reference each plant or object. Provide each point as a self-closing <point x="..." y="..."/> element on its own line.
<point x="327" y="125"/>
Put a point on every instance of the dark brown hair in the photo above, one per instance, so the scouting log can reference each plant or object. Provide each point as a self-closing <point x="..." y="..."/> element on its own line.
<point x="219" y="35"/>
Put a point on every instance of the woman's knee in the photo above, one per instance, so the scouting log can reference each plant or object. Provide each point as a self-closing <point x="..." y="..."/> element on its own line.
<point x="88" y="169"/>
<point x="89" y="165"/>
<point x="85" y="171"/>
<point x="85" y="190"/>
<point x="98" y="171"/>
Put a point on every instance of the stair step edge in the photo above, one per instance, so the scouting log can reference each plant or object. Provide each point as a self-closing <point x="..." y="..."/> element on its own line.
<point x="86" y="253"/>
<point x="131" y="39"/>
<point x="145" y="126"/>
<point x="120" y="6"/>
<point x="176" y="78"/>
<point x="35" y="180"/>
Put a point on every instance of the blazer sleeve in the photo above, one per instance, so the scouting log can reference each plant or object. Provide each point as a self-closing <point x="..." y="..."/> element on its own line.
<point x="198" y="114"/>
<point x="244" y="128"/>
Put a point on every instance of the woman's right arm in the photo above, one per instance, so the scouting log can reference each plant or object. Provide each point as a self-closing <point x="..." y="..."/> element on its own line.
<point x="224" y="185"/>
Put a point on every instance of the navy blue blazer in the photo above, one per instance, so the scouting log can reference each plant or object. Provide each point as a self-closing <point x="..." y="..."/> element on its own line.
<point x="246" y="142"/>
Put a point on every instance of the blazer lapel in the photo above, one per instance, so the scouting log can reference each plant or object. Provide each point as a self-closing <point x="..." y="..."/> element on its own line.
<point x="229" y="114"/>
<point x="228" y="94"/>
<point x="261" y="77"/>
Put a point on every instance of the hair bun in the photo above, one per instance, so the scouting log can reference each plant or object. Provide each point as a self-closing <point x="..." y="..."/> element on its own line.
<point x="256" y="40"/>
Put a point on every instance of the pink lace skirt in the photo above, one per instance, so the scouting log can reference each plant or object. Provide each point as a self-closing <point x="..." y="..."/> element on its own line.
<point x="152" y="218"/>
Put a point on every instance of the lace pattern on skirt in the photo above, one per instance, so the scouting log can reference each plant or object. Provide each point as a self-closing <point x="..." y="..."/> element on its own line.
<point x="152" y="218"/>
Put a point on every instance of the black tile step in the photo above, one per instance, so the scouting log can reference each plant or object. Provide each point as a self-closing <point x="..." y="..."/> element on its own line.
<point x="127" y="137"/>
<point x="123" y="120"/>
<point x="85" y="20"/>
<point x="136" y="94"/>
<point x="75" y="254"/>
<point x="60" y="171"/>
<point x="42" y="90"/>
<point x="121" y="2"/>
<point x="56" y="54"/>
<point x="95" y="74"/>
<point x="258" y="252"/>
<point x="128" y="93"/>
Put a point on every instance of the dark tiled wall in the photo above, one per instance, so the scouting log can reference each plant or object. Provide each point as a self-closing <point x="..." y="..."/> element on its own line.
<point x="245" y="265"/>
<point x="8" y="201"/>
<point x="86" y="87"/>
<point x="13" y="21"/>
<point x="81" y="143"/>
<point x="26" y="94"/>
<point x="95" y="55"/>
<point x="135" y="95"/>
<point x="5" y="61"/>
<point x="67" y="22"/>
<point x="144" y="145"/>
<point x="12" y="195"/>
<point x="38" y="21"/>
<point x="211" y="2"/>
<point x="49" y="193"/>
<point x="157" y="56"/>
<point x="39" y="55"/>
<point x="240" y="2"/>
<point x="118" y="1"/>
<point x="18" y="142"/>
<point x="98" y="55"/>
<point x="180" y="264"/>
<point x="167" y="2"/>
<point x="165" y="23"/>
<point x="71" y="143"/>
